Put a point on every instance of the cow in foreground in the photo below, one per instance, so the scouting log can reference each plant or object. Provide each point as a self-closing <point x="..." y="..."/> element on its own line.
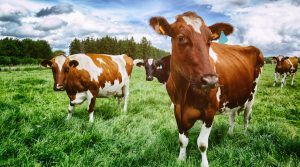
<point x="285" y="66"/>
<point x="159" y="69"/>
<point x="91" y="76"/>
<point x="207" y="77"/>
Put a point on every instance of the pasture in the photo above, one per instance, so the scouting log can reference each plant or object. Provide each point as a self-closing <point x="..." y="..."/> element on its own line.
<point x="34" y="131"/>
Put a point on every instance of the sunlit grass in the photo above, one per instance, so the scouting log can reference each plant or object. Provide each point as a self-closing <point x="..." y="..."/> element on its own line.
<point x="34" y="131"/>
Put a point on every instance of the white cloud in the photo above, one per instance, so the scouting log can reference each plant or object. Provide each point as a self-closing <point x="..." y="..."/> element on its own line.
<point x="271" y="26"/>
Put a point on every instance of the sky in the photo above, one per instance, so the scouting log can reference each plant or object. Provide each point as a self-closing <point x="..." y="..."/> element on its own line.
<point x="271" y="25"/>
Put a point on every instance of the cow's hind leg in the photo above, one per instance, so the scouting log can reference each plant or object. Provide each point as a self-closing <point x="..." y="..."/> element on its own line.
<point x="248" y="114"/>
<point x="232" y="114"/>
<point x="126" y="96"/>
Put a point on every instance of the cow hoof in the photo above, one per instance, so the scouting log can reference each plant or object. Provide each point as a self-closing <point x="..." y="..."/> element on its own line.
<point x="181" y="158"/>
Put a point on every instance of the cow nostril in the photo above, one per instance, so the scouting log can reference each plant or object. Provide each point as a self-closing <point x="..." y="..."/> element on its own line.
<point x="210" y="80"/>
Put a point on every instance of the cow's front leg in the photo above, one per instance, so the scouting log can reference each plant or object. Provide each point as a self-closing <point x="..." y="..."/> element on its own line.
<point x="183" y="142"/>
<point x="202" y="140"/>
<point x="276" y="75"/>
<point x="91" y="100"/>
<point x="92" y="103"/>
<point x="283" y="80"/>
<point x="70" y="110"/>
<point x="293" y="77"/>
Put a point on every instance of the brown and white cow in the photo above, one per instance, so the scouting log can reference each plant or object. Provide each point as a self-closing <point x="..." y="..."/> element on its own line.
<point x="91" y="76"/>
<point x="159" y="69"/>
<point x="285" y="66"/>
<point x="207" y="77"/>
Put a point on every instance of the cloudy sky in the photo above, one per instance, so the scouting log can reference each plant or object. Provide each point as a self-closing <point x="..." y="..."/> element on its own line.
<point x="271" y="25"/>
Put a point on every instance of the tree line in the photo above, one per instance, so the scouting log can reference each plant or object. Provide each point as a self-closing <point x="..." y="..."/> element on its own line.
<point x="26" y="51"/>
<point x="111" y="45"/>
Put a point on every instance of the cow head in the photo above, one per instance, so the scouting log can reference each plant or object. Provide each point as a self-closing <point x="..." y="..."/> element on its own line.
<point x="279" y="61"/>
<point x="191" y="40"/>
<point x="60" y="66"/>
<point x="150" y="65"/>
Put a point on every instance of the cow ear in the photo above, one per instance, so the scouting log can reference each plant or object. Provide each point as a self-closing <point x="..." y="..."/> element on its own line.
<point x="217" y="28"/>
<point x="46" y="63"/>
<point x="138" y="62"/>
<point x="274" y="58"/>
<point x="161" y="26"/>
<point x="73" y="63"/>
<point x="286" y="58"/>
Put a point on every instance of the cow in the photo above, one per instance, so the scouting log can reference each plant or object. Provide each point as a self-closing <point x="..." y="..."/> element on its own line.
<point x="206" y="77"/>
<point x="285" y="66"/>
<point x="159" y="69"/>
<point x="91" y="76"/>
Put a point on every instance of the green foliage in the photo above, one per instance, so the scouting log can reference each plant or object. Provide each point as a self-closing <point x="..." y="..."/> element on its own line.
<point x="58" y="52"/>
<point x="26" y="51"/>
<point x="110" y="45"/>
<point x="34" y="131"/>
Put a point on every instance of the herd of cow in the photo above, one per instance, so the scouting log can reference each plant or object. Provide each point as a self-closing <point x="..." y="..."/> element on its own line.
<point x="201" y="77"/>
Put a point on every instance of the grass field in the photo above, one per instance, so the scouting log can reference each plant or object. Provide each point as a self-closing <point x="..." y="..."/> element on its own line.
<point x="34" y="131"/>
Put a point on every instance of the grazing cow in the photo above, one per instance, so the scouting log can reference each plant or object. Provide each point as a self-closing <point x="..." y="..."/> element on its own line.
<point x="88" y="76"/>
<point x="159" y="69"/>
<point x="206" y="77"/>
<point x="285" y="66"/>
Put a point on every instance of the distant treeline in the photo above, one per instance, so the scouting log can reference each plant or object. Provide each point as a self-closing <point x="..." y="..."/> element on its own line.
<point x="110" y="45"/>
<point x="27" y="51"/>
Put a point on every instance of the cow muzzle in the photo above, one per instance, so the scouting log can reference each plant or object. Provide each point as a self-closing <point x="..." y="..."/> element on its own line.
<point x="209" y="81"/>
<point x="149" y="78"/>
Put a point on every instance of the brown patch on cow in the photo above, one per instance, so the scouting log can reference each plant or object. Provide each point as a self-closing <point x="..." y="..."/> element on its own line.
<point x="202" y="148"/>
<point x="110" y="69"/>
<point x="129" y="64"/>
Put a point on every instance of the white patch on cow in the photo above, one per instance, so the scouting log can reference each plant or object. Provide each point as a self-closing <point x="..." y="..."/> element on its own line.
<point x="213" y="55"/>
<point x="89" y="97"/>
<point x="184" y="142"/>
<point x="80" y="97"/>
<point x="86" y="63"/>
<point x="194" y="22"/>
<point x="218" y="95"/>
<point x="202" y="141"/>
<point x="150" y="61"/>
<point x="100" y="60"/>
<point x="60" y="60"/>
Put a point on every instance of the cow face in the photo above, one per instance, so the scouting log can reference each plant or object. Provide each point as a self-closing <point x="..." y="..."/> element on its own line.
<point x="279" y="61"/>
<point x="60" y="66"/>
<point x="150" y="67"/>
<point x="191" y="40"/>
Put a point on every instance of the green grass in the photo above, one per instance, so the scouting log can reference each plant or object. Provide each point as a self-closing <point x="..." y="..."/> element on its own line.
<point x="34" y="131"/>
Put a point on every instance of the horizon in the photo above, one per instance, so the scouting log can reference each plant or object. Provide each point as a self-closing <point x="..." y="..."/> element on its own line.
<point x="268" y="25"/>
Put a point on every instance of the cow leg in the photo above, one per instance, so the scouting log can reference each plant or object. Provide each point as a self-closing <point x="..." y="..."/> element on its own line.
<point x="91" y="100"/>
<point x="183" y="141"/>
<point x="70" y="110"/>
<point x="126" y="95"/>
<point x="202" y="141"/>
<point x="283" y="80"/>
<point x="231" y="121"/>
<point x="248" y="114"/>
<point x="293" y="77"/>
<point x="276" y="75"/>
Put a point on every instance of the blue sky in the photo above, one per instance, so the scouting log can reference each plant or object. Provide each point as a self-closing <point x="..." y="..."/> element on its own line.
<point x="271" y="25"/>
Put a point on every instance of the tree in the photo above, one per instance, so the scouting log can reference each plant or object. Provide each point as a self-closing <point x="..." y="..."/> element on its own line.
<point x="75" y="47"/>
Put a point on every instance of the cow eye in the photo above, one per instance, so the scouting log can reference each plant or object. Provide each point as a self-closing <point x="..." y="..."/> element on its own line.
<point x="181" y="39"/>
<point x="67" y="69"/>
